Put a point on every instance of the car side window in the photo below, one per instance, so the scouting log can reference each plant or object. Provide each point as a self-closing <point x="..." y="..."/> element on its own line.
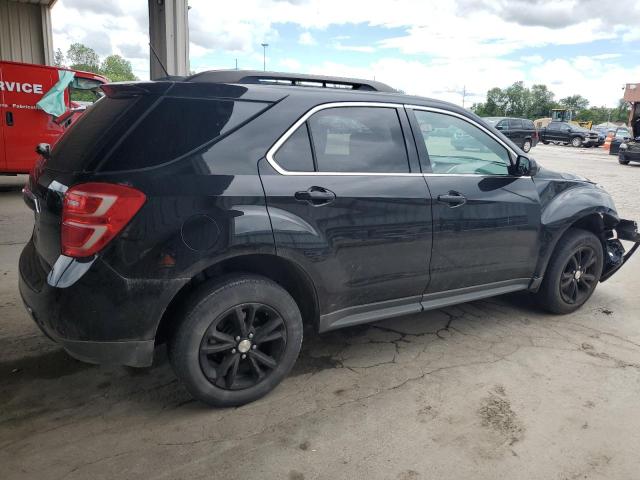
<point x="456" y="146"/>
<point x="358" y="139"/>
<point x="565" y="127"/>
<point x="515" y="123"/>
<point x="502" y="125"/>
<point x="295" y="154"/>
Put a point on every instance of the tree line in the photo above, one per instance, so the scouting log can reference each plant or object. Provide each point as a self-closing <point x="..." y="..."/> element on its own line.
<point x="81" y="57"/>
<point x="538" y="101"/>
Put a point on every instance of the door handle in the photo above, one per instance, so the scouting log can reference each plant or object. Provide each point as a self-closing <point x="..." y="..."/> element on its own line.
<point x="453" y="199"/>
<point x="316" y="196"/>
<point x="9" y="119"/>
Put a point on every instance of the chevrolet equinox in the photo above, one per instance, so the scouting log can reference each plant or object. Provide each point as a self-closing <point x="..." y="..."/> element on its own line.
<point x="220" y="212"/>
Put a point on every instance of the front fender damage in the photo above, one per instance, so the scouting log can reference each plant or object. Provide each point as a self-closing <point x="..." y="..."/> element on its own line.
<point x="615" y="256"/>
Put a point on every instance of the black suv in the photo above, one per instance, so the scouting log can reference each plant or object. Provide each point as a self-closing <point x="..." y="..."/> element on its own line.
<point x="520" y="131"/>
<point x="220" y="212"/>
<point x="569" y="134"/>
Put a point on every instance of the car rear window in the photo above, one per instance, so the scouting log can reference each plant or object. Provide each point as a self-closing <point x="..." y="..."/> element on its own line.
<point x="177" y="126"/>
<point x="138" y="131"/>
<point x="91" y="135"/>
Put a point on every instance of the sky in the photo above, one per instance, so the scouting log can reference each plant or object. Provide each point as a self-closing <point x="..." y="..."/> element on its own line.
<point x="437" y="49"/>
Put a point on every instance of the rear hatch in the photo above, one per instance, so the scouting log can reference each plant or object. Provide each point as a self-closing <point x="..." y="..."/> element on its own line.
<point x="77" y="154"/>
<point x="135" y="126"/>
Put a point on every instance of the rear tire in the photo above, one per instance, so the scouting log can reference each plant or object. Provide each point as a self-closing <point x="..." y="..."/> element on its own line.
<point x="239" y="338"/>
<point x="545" y="142"/>
<point x="573" y="272"/>
<point x="526" y="146"/>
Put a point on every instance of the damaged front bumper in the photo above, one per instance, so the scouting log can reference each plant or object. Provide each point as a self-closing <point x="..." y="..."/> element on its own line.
<point x="615" y="256"/>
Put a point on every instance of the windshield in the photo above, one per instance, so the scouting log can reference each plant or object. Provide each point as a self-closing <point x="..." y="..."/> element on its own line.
<point x="622" y="133"/>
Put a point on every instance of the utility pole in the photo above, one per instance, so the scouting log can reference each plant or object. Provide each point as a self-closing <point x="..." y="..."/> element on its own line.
<point x="464" y="94"/>
<point x="264" y="56"/>
<point x="236" y="63"/>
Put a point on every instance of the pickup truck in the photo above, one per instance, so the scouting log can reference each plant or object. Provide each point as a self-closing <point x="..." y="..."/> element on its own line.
<point x="568" y="134"/>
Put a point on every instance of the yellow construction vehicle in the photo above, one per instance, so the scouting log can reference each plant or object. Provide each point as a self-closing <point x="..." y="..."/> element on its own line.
<point x="562" y="115"/>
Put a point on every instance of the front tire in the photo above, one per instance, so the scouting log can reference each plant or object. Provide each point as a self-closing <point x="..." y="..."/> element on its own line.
<point x="576" y="142"/>
<point x="573" y="272"/>
<point x="239" y="338"/>
<point x="621" y="161"/>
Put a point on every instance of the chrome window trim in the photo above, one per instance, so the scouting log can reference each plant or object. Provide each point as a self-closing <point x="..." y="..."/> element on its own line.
<point x="285" y="136"/>
<point x="276" y="146"/>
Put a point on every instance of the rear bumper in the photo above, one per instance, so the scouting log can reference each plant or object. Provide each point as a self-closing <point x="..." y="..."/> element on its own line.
<point x="131" y="353"/>
<point x="98" y="316"/>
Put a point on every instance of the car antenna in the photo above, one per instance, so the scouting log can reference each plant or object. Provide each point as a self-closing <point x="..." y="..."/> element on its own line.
<point x="153" y="50"/>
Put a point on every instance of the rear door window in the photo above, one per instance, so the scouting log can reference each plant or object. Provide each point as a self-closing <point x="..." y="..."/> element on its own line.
<point x="295" y="154"/>
<point x="515" y="124"/>
<point x="359" y="140"/>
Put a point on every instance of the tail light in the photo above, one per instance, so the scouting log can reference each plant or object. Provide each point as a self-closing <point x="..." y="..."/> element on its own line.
<point x="94" y="213"/>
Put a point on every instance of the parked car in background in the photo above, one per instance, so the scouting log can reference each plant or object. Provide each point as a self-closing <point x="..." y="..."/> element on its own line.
<point x="620" y="135"/>
<point x="218" y="213"/>
<point x="568" y="134"/>
<point x="629" y="151"/>
<point x="24" y="124"/>
<point x="520" y="131"/>
<point x="602" y="134"/>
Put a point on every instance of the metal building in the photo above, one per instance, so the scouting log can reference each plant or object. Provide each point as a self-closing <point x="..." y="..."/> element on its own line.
<point x="25" y="31"/>
<point x="25" y="34"/>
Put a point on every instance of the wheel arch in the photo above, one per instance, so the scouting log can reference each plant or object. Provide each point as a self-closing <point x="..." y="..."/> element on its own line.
<point x="285" y="272"/>
<point x="598" y="220"/>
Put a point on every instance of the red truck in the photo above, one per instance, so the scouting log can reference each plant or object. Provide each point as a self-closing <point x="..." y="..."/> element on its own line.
<point x="24" y="124"/>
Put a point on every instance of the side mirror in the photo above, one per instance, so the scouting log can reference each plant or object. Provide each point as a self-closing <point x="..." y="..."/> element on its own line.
<point x="44" y="149"/>
<point x="525" y="166"/>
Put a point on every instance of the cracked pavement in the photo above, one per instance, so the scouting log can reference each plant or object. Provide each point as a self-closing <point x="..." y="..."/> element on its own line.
<point x="489" y="389"/>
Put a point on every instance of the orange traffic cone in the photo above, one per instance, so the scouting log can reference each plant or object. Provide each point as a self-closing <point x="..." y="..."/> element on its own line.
<point x="607" y="142"/>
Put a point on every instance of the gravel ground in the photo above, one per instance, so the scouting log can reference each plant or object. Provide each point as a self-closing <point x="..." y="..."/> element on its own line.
<point x="484" y="390"/>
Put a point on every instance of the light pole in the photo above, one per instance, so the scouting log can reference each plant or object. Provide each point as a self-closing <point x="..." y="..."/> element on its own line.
<point x="264" y="56"/>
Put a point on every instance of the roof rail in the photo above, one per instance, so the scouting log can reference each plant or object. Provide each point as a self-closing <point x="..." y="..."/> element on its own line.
<point x="288" y="79"/>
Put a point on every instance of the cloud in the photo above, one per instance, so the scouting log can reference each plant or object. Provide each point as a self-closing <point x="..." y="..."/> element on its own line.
<point x="307" y="39"/>
<point x="430" y="48"/>
<point x="133" y="50"/>
<point x="354" y="48"/>
<point x="95" y="6"/>
<point x="290" y="64"/>
<point x="99" y="41"/>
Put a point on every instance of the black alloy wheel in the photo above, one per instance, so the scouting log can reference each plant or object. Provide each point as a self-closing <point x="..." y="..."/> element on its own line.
<point x="243" y="346"/>
<point x="238" y="337"/>
<point x="578" y="277"/>
<point x="573" y="272"/>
